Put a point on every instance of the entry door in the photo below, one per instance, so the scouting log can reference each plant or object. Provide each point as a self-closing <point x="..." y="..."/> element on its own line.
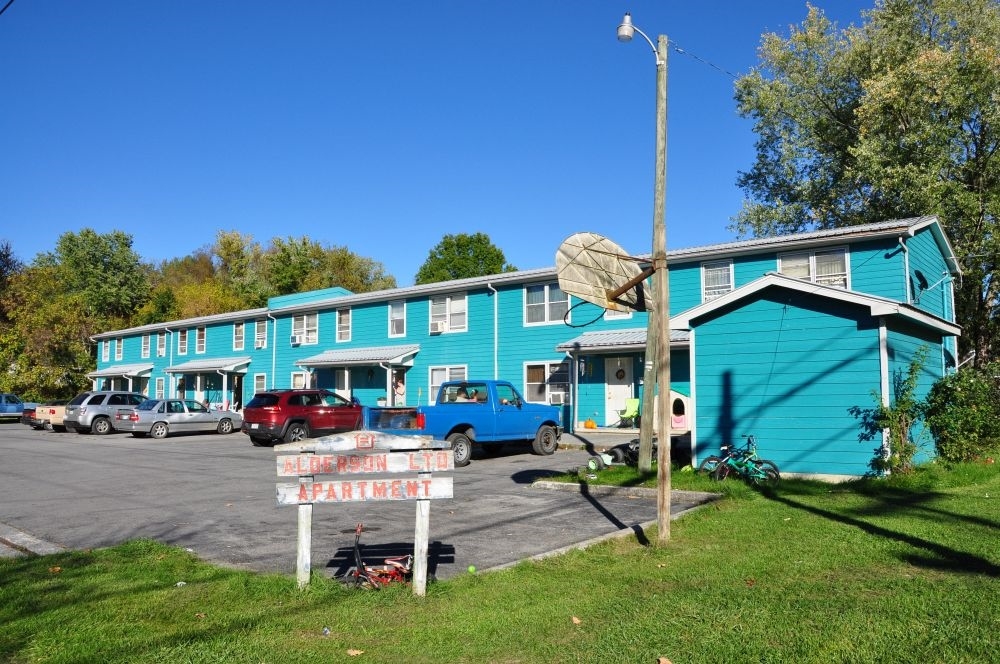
<point x="618" y="387"/>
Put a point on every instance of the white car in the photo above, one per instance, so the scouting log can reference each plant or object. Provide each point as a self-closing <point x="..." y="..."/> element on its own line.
<point x="162" y="417"/>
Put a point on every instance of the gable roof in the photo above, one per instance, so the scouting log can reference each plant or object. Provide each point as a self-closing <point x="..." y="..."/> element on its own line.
<point x="877" y="306"/>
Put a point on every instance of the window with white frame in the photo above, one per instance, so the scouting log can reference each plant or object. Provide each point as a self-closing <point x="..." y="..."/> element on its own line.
<point x="200" y="339"/>
<point x="611" y="314"/>
<point x="827" y="267"/>
<point x="397" y="318"/>
<point x="300" y="380"/>
<point x="343" y="324"/>
<point x="544" y="304"/>
<point x="119" y="348"/>
<point x="716" y="279"/>
<point x="105" y="350"/>
<point x="161" y="344"/>
<point x="449" y="313"/>
<point x="182" y="342"/>
<point x="238" y="332"/>
<point x="306" y="328"/>
<point x="260" y="333"/>
<point x="441" y="375"/>
<point x="159" y="389"/>
<point x="259" y="383"/>
<point x="547" y="382"/>
<point x="145" y="346"/>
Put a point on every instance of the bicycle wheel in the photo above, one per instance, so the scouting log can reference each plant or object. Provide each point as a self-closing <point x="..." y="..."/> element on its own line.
<point x="764" y="477"/>
<point x="764" y="463"/>
<point x="709" y="464"/>
<point x="721" y="472"/>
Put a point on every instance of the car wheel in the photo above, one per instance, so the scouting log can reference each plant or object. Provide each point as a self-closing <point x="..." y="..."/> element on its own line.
<point x="225" y="426"/>
<point x="101" y="426"/>
<point x="296" y="432"/>
<point x="159" y="430"/>
<point x="546" y="442"/>
<point x="461" y="447"/>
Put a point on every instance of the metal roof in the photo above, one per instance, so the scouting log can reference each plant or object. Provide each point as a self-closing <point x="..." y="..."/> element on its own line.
<point x="121" y="370"/>
<point x="362" y="356"/>
<point x="210" y="365"/>
<point x="628" y="339"/>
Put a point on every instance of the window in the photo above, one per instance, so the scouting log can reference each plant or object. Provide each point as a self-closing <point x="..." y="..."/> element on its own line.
<point x="259" y="383"/>
<point x="260" y="333"/>
<point x="716" y="279"/>
<point x="238" y="331"/>
<point x="611" y="314"/>
<point x="159" y="388"/>
<point x="145" y="345"/>
<point x="822" y="267"/>
<point x="544" y="303"/>
<point x="105" y="350"/>
<point x="200" y="340"/>
<point x="182" y="342"/>
<point x="397" y="318"/>
<point x="161" y="344"/>
<point x="343" y="324"/>
<point x="306" y="328"/>
<point x="440" y="375"/>
<point x="119" y="348"/>
<point x="448" y="313"/>
<point x="547" y="382"/>
<point x="300" y="380"/>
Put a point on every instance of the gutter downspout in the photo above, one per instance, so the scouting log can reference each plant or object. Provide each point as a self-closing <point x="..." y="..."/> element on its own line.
<point x="390" y="395"/>
<point x="274" y="348"/>
<point x="225" y="385"/>
<point x="883" y="367"/>
<point x="496" y="331"/>
<point x="906" y="269"/>
<point x="574" y="364"/>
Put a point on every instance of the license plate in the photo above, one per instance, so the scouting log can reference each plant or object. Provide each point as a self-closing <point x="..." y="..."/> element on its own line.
<point x="254" y="425"/>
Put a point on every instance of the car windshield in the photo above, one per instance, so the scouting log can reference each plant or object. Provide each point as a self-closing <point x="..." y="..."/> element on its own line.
<point x="79" y="399"/>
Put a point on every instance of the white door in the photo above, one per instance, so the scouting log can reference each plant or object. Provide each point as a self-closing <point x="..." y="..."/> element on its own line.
<point x="618" y="387"/>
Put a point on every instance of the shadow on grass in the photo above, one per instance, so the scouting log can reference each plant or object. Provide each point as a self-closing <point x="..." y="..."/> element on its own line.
<point x="640" y="535"/>
<point x="943" y="558"/>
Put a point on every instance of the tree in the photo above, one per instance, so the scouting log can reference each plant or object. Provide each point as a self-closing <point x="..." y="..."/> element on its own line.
<point x="462" y="256"/>
<point x="896" y="118"/>
<point x="9" y="267"/>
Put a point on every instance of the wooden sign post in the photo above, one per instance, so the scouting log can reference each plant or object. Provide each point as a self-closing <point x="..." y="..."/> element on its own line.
<point x="365" y="464"/>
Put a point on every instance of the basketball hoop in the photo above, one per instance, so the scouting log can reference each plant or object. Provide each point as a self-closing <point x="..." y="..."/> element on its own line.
<point x="596" y="270"/>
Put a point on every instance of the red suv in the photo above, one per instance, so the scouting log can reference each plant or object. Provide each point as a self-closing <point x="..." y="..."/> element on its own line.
<point x="292" y="415"/>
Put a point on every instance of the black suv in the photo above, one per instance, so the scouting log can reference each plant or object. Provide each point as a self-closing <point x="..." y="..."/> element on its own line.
<point x="292" y="415"/>
<point x="94" y="412"/>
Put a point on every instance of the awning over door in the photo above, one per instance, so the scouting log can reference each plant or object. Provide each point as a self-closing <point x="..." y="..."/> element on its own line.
<point x="227" y="364"/>
<point x="612" y="341"/>
<point x="124" y="370"/>
<point x="353" y="357"/>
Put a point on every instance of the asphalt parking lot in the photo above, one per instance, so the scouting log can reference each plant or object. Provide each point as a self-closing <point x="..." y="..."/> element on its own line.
<point x="215" y="495"/>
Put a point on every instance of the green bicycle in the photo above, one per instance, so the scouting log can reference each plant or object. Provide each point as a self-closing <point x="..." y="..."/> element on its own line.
<point x="742" y="462"/>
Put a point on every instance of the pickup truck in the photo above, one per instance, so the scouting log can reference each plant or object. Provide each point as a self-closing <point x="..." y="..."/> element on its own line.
<point x="487" y="413"/>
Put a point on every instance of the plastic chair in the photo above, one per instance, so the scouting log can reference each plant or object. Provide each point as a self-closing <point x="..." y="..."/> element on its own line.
<point x="628" y="415"/>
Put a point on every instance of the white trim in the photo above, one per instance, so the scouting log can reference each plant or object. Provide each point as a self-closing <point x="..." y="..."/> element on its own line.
<point x="388" y="308"/>
<point x="883" y="368"/>
<point x="728" y="262"/>
<point x="546" y="305"/>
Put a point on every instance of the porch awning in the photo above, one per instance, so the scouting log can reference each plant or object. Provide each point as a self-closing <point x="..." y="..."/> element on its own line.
<point x="353" y="357"/>
<point x="612" y="341"/>
<point x="125" y="370"/>
<point x="227" y="364"/>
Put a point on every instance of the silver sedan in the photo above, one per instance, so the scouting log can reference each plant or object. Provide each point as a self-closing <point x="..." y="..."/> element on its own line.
<point x="162" y="417"/>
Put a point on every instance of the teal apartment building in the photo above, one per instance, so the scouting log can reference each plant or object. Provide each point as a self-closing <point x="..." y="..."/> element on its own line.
<point x="783" y="337"/>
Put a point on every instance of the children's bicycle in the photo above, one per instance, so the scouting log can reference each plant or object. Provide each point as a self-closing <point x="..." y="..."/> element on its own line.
<point x="397" y="569"/>
<point x="742" y="462"/>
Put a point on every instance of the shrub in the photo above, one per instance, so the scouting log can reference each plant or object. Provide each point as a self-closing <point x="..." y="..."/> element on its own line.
<point x="963" y="412"/>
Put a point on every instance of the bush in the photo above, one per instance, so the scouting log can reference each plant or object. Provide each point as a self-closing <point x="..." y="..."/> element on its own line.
<point x="963" y="412"/>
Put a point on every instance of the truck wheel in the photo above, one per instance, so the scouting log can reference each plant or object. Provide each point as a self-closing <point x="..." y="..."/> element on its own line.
<point x="101" y="426"/>
<point x="546" y="442"/>
<point x="296" y="432"/>
<point x="461" y="446"/>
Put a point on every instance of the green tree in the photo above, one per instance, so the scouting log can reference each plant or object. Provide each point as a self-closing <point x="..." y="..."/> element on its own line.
<point x="9" y="267"/>
<point x="462" y="256"/>
<point x="294" y="265"/>
<point x="895" y="118"/>
<point x="241" y="268"/>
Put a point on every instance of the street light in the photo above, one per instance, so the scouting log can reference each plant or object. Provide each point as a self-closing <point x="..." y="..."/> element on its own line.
<point x="658" y="330"/>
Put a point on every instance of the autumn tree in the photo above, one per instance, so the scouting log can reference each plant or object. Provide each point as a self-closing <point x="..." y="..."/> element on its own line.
<point x="462" y="256"/>
<point x="895" y="118"/>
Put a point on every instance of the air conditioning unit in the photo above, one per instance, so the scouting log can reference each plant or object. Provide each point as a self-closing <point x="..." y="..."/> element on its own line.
<point x="259" y="343"/>
<point x="557" y="398"/>
<point x="296" y="339"/>
<point x="438" y="326"/>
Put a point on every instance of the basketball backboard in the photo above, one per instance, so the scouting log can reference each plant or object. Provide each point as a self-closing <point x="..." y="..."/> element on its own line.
<point x="593" y="268"/>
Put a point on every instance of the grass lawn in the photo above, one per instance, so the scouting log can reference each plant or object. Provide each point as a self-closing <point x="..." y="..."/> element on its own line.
<point x="898" y="570"/>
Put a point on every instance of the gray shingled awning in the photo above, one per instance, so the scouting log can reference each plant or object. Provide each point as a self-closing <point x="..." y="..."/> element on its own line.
<point x="228" y="364"/>
<point x="631" y="339"/>
<point x="121" y="370"/>
<point x="352" y="357"/>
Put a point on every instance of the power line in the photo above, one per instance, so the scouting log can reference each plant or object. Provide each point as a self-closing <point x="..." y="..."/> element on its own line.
<point x="9" y="3"/>
<point x="703" y="61"/>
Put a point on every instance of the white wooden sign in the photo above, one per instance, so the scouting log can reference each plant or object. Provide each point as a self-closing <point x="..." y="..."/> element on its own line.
<point x="360" y="491"/>
<point x="423" y="461"/>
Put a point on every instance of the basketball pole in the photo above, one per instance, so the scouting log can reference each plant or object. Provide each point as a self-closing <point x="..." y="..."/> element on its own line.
<point x="658" y="330"/>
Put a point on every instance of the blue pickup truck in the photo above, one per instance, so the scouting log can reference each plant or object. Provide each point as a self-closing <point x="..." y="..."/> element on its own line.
<point x="484" y="413"/>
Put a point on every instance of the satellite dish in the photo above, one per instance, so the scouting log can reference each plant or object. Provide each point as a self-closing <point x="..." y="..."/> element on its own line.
<point x="596" y="270"/>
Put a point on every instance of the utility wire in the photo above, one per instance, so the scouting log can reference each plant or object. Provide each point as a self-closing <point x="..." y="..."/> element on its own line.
<point x="9" y="3"/>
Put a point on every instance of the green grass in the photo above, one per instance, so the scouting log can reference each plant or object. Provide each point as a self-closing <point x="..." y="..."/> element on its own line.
<point x="898" y="570"/>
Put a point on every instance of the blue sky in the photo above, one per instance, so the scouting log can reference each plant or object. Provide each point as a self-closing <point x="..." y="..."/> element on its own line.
<point x="380" y="126"/>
